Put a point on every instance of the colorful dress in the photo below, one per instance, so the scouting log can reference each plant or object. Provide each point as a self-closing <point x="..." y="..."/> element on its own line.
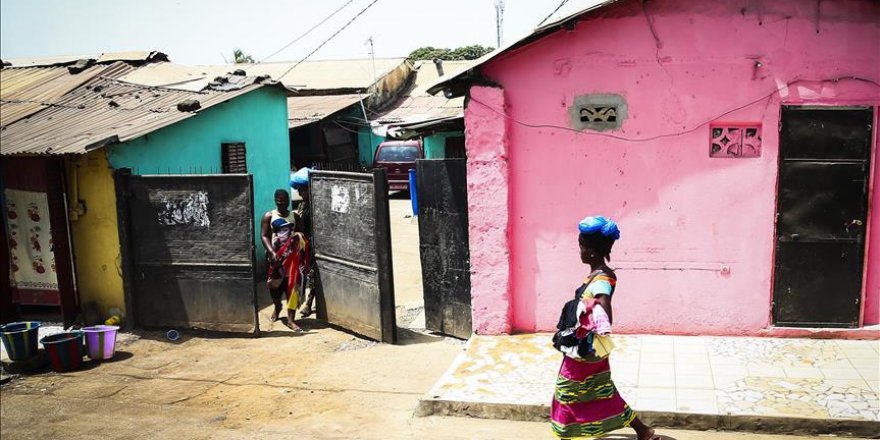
<point x="586" y="403"/>
<point x="292" y="267"/>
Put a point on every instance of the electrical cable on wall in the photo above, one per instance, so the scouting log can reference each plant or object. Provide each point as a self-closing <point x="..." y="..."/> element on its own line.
<point x="306" y="32"/>
<point x="667" y="135"/>
<point x="329" y="39"/>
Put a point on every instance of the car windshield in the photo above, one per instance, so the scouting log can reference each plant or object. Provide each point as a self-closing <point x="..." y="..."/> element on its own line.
<point x="398" y="153"/>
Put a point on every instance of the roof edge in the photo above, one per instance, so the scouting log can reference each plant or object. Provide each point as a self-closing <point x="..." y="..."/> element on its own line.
<point x="456" y="85"/>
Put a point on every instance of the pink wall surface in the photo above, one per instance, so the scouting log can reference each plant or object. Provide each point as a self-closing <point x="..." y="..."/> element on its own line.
<point x="698" y="234"/>
<point x="487" y="168"/>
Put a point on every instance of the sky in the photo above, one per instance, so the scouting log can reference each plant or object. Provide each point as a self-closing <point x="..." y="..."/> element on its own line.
<point x="207" y="31"/>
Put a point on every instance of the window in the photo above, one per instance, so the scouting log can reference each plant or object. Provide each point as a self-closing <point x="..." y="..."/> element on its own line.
<point x="234" y="157"/>
<point x="398" y="153"/>
<point x="598" y="112"/>
<point x="735" y="140"/>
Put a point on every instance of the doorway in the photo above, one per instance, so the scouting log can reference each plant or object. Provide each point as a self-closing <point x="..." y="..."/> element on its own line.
<point x="821" y="215"/>
<point x="41" y="279"/>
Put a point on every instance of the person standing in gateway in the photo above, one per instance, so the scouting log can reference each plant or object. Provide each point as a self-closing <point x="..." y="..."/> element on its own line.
<point x="287" y="254"/>
<point x="300" y="182"/>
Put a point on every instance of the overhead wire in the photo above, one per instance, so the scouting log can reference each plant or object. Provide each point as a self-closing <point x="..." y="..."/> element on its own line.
<point x="668" y="135"/>
<point x="329" y="39"/>
<point x="558" y="7"/>
<point x="292" y="42"/>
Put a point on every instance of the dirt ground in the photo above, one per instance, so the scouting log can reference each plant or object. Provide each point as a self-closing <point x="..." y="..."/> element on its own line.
<point x="325" y="384"/>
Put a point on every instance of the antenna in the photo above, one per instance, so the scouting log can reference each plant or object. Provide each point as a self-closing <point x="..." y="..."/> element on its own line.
<point x="372" y="57"/>
<point x="499" y="21"/>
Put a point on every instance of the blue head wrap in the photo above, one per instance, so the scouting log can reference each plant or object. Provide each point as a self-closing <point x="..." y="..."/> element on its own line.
<point x="300" y="179"/>
<point x="599" y="224"/>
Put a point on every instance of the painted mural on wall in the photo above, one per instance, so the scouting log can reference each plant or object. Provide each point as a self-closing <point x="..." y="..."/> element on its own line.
<point x="31" y="253"/>
<point x="183" y="209"/>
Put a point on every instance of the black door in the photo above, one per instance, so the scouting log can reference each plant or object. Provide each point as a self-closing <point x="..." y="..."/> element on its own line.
<point x="443" y="238"/>
<point x="191" y="249"/>
<point x="821" y="215"/>
<point x="352" y="243"/>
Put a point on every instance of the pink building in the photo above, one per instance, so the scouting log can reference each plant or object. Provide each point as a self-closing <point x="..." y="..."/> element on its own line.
<point x="733" y="141"/>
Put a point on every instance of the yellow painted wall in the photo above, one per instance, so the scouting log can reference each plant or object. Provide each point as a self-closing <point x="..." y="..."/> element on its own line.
<point x="95" y="231"/>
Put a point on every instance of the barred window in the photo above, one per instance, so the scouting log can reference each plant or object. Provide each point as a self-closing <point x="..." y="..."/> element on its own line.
<point x="234" y="158"/>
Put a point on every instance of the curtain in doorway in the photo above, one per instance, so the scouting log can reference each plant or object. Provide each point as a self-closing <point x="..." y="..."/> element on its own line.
<point x="32" y="258"/>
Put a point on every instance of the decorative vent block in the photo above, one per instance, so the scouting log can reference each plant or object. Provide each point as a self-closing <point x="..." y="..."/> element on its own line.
<point x="735" y="140"/>
<point x="599" y="112"/>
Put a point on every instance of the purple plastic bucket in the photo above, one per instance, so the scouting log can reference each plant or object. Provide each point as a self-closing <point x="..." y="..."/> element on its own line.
<point x="65" y="350"/>
<point x="20" y="339"/>
<point x="100" y="341"/>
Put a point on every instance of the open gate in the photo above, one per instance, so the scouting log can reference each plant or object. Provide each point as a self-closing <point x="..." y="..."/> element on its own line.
<point x="190" y="251"/>
<point x="352" y="242"/>
<point x="443" y="238"/>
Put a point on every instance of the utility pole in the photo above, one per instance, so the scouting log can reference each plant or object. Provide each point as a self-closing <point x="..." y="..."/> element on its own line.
<point x="499" y="21"/>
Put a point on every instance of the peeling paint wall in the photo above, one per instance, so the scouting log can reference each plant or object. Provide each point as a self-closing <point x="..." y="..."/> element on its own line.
<point x="95" y="231"/>
<point x="487" y="167"/>
<point x="696" y="252"/>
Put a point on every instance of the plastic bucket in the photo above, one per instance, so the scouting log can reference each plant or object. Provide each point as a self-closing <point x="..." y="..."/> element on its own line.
<point x="65" y="350"/>
<point x="20" y="339"/>
<point x="100" y="341"/>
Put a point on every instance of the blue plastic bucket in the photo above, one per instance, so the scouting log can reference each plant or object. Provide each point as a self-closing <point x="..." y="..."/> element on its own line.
<point x="20" y="339"/>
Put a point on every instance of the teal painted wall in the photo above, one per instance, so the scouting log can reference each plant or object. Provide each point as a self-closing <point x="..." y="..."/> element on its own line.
<point x="258" y="118"/>
<point x="435" y="144"/>
<point x="368" y="142"/>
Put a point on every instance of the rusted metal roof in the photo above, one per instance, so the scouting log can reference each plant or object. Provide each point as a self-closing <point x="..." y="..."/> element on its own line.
<point x="132" y="57"/>
<point x="25" y="91"/>
<point x="105" y="110"/>
<point x="349" y="76"/>
<point x="302" y="110"/>
<point x="418" y="104"/>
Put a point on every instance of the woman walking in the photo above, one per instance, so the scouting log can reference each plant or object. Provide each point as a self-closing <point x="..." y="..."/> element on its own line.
<point x="288" y="257"/>
<point x="586" y="403"/>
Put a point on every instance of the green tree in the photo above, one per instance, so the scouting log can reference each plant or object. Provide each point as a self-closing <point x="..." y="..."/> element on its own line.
<point x="240" y="57"/>
<point x="462" y="53"/>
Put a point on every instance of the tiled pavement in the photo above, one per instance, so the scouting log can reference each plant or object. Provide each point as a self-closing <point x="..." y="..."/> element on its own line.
<point x="723" y="376"/>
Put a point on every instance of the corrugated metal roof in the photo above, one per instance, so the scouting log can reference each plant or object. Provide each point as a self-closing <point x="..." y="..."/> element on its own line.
<point x="106" y="110"/>
<point x="106" y="57"/>
<point x="418" y="105"/>
<point x="310" y="75"/>
<point x="302" y="110"/>
<point x="27" y="90"/>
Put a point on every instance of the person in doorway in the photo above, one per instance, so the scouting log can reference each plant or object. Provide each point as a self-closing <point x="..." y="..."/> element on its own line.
<point x="287" y="254"/>
<point x="586" y="403"/>
<point x="300" y="182"/>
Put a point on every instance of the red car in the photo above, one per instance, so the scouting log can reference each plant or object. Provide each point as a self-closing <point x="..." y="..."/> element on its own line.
<point x="397" y="157"/>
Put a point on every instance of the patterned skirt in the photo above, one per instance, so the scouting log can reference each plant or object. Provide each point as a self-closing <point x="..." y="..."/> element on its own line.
<point x="586" y="403"/>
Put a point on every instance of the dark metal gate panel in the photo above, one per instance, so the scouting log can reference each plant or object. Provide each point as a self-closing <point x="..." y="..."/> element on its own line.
<point x="192" y="251"/>
<point x="352" y="241"/>
<point x="445" y="253"/>
<point x="821" y="216"/>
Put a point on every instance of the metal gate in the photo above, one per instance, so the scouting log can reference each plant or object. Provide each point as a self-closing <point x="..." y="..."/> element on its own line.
<point x="443" y="238"/>
<point x="821" y="216"/>
<point x="352" y="242"/>
<point x="190" y="242"/>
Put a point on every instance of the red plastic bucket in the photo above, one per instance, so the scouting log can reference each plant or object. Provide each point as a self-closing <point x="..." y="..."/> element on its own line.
<point x="65" y="350"/>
